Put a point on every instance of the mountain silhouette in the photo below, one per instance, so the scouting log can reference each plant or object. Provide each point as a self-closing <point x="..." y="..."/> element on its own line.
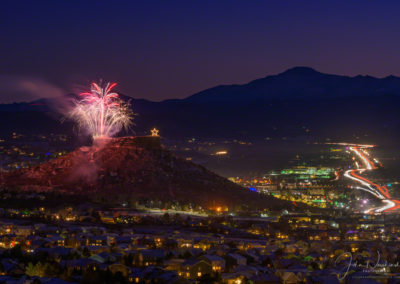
<point x="301" y="83"/>
<point x="300" y="102"/>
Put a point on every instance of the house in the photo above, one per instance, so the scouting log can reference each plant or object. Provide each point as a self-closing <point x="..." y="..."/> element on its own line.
<point x="267" y="278"/>
<point x="231" y="278"/>
<point x="97" y="240"/>
<point x="169" y="244"/>
<point x="203" y="244"/>
<point x="82" y="264"/>
<point x="252" y="257"/>
<point x="289" y="277"/>
<point x="137" y="275"/>
<point x="34" y="243"/>
<point x="161" y="276"/>
<point x="234" y="259"/>
<point x="11" y="267"/>
<point x="246" y="271"/>
<point x="195" y="268"/>
<point x="97" y="249"/>
<point x="72" y="242"/>
<point x="217" y="263"/>
<point x="23" y="230"/>
<point x="148" y="257"/>
<point x="173" y="264"/>
<point x="123" y="240"/>
<point x="56" y="252"/>
<point x="55" y="241"/>
<point x="49" y="230"/>
<point x="152" y="274"/>
<point x="103" y="257"/>
<point x="118" y="267"/>
<point x="185" y="242"/>
<point x="8" y="241"/>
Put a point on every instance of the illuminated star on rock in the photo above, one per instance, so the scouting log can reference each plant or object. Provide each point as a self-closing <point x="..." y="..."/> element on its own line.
<point x="154" y="132"/>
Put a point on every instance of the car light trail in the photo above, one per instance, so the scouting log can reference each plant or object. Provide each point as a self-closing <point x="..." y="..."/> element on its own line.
<point x="377" y="195"/>
<point x="368" y="163"/>
<point x="380" y="189"/>
<point x="337" y="175"/>
<point x="380" y="192"/>
<point x="389" y="205"/>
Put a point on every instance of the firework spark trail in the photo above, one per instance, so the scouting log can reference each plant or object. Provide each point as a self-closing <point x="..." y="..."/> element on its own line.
<point x="101" y="111"/>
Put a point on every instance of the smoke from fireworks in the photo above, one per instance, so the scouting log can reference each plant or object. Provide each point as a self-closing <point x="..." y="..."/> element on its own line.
<point x="101" y="111"/>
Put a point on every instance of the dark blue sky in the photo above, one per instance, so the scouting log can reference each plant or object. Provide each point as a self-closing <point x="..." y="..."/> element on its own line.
<point x="172" y="49"/>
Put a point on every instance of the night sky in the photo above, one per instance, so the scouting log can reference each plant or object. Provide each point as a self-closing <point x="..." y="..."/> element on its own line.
<point x="172" y="49"/>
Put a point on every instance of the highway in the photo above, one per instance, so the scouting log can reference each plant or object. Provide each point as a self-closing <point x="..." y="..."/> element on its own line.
<point x="379" y="191"/>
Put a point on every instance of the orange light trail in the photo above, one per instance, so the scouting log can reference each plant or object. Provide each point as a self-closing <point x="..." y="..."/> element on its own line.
<point x="381" y="192"/>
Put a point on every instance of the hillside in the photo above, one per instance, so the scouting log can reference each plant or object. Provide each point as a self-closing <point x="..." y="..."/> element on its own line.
<point x="135" y="168"/>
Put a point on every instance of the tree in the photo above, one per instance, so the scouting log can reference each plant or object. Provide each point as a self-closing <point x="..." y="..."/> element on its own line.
<point x="51" y="269"/>
<point x="66" y="275"/>
<point x="35" y="270"/>
<point x="86" y="252"/>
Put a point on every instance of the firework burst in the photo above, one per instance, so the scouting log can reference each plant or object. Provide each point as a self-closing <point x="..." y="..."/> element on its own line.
<point x="101" y="111"/>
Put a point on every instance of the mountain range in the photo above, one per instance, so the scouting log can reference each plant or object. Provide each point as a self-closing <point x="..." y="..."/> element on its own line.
<point x="300" y="102"/>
